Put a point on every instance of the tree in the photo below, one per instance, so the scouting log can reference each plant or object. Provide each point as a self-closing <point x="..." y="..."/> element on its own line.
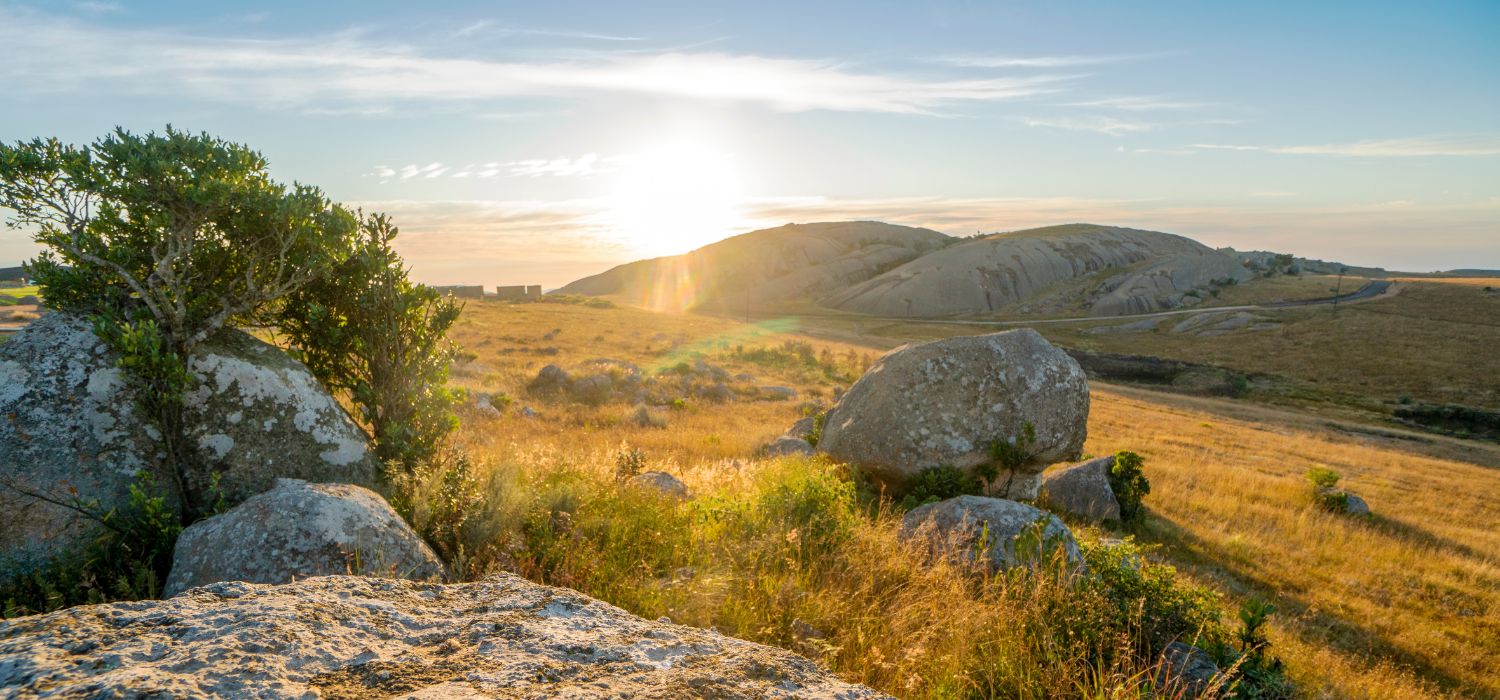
<point x="164" y="239"/>
<point x="368" y="330"/>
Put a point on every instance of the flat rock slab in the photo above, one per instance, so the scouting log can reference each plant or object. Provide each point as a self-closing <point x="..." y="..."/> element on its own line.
<point x="355" y="637"/>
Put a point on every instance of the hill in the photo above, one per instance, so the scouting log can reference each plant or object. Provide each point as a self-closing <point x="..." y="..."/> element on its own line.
<point x="1096" y="270"/>
<point x="774" y="264"/>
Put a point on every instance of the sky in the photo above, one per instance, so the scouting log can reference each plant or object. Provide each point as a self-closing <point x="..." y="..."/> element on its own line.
<point x="535" y="143"/>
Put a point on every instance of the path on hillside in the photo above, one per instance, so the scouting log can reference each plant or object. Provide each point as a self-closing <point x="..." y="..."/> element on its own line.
<point x="1371" y="290"/>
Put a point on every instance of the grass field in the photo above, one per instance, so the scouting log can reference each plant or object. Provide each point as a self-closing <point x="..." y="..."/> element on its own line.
<point x="1406" y="605"/>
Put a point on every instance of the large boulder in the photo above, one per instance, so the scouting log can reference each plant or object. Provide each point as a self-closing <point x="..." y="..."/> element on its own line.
<point x="1009" y="534"/>
<point x="348" y="636"/>
<point x="299" y="530"/>
<point x="70" y="433"/>
<point x="1083" y="490"/>
<point x="947" y="402"/>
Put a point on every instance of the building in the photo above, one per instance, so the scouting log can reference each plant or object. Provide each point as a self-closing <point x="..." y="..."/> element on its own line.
<point x="463" y="291"/>
<point x="518" y="292"/>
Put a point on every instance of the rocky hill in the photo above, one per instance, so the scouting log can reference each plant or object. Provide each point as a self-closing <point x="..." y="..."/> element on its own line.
<point x="1095" y="270"/>
<point x="786" y="262"/>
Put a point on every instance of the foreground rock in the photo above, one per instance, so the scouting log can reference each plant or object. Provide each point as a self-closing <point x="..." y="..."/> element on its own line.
<point x="69" y="431"/>
<point x="1004" y="531"/>
<point x="660" y="482"/>
<point x="299" y="530"/>
<point x="1187" y="669"/>
<point x="946" y="403"/>
<point x="348" y="637"/>
<point x="1083" y="490"/>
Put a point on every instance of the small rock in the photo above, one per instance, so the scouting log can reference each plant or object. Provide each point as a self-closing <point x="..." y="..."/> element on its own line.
<point x="644" y="417"/>
<point x="661" y="482"/>
<point x="1083" y="490"/>
<point x="549" y="380"/>
<point x="1354" y="505"/>
<point x="778" y="393"/>
<point x="1187" y="668"/>
<point x="485" y="407"/>
<point x="787" y="445"/>
<point x="297" y="530"/>
<point x="962" y="521"/>
<point x="802" y="428"/>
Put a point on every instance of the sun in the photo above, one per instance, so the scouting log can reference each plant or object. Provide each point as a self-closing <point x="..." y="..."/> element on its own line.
<point x="672" y="198"/>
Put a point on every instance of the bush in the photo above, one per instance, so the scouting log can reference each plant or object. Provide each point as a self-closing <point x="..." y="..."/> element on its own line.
<point x="366" y="329"/>
<point x="939" y="484"/>
<point x="1128" y="481"/>
<point x="1325" y="491"/>
<point x="1323" y="477"/>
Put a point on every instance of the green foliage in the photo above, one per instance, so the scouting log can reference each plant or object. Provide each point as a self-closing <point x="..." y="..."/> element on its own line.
<point x="1149" y="597"/>
<point x="1323" y="477"/>
<point x="939" y="484"/>
<point x="802" y="357"/>
<point x="1008" y="455"/>
<point x="129" y="560"/>
<point x="819" y="419"/>
<point x="365" y="328"/>
<point x="629" y="461"/>
<point x="444" y="501"/>
<point x="1128" y="480"/>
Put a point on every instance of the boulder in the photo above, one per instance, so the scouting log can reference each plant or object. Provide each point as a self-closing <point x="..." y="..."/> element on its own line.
<point x="644" y="417"/>
<point x="299" y="530"/>
<point x="1354" y="505"/>
<point x="1187" y="669"/>
<point x="550" y="379"/>
<point x="788" y="445"/>
<point x="802" y="428"/>
<point x="947" y="402"/>
<point x="1006" y="527"/>
<point x="71" y="432"/>
<point x="660" y="482"/>
<point x="1083" y="490"/>
<point x="593" y="389"/>
<point x="350" y="636"/>
<point x="778" y="393"/>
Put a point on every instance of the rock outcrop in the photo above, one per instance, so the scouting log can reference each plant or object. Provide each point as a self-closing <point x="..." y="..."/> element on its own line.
<point x="773" y="264"/>
<point x="299" y="530"/>
<point x="70" y="431"/>
<point x="1083" y="490"/>
<point x="947" y="402"/>
<point x="1099" y="270"/>
<point x="1008" y="533"/>
<point x="347" y="637"/>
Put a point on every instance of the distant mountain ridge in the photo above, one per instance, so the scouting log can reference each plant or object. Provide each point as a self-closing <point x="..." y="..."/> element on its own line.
<point x="775" y="264"/>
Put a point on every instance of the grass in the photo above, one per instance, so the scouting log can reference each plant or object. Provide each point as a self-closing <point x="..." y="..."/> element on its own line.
<point x="1403" y="605"/>
<point x="15" y="293"/>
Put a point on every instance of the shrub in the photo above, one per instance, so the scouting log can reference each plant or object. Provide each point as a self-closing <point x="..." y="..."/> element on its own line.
<point x="819" y="419"/>
<point x="366" y="329"/>
<point x="1128" y="481"/>
<point x="1323" y="477"/>
<point x="629" y="461"/>
<point x="939" y="484"/>
<point x="1325" y="492"/>
<point x="1008" y="455"/>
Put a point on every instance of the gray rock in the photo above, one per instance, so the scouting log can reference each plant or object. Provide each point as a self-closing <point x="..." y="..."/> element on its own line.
<point x="1187" y="668"/>
<point x="661" y="482"/>
<point x="778" y="393"/>
<point x="946" y="402"/>
<point x="1083" y="490"/>
<point x="593" y="389"/>
<point x="485" y="407"/>
<point x="718" y="393"/>
<point x="72" y="432"/>
<point x="644" y="417"/>
<point x="1008" y="528"/>
<point x="787" y="445"/>
<point x="299" y="530"/>
<point x="348" y="636"/>
<point x="802" y="428"/>
<point x="1354" y="505"/>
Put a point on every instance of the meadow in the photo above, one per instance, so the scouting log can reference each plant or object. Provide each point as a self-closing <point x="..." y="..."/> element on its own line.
<point x="798" y="552"/>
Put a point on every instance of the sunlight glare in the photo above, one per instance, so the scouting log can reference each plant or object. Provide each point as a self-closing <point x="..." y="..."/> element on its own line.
<point x="676" y="197"/>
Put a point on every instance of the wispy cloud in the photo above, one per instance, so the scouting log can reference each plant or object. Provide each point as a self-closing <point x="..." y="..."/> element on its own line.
<point x="1138" y="104"/>
<point x="491" y="28"/>
<point x="1382" y="148"/>
<point x="337" y="71"/>
<point x="586" y="165"/>
<point x="1114" y="126"/>
<point x="995" y="61"/>
<point x="99" y="8"/>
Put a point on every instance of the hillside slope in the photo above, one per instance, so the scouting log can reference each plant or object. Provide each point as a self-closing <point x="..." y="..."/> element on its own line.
<point x="773" y="264"/>
<point x="1099" y="270"/>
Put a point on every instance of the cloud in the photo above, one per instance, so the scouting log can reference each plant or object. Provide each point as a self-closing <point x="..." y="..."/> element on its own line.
<point x="99" y="8"/>
<point x="492" y="28"/>
<point x="1101" y="125"/>
<point x="353" y="69"/>
<point x="586" y="165"/>
<point x="975" y="61"/>
<point x="1383" y="148"/>
<point x="1138" y="104"/>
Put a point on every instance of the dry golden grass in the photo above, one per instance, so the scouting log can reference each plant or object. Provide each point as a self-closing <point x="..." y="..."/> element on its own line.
<point x="1406" y="605"/>
<point x="1269" y="290"/>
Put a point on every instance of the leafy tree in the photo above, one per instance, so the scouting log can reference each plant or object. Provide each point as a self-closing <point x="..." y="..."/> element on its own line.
<point x="164" y="239"/>
<point x="1128" y="481"/>
<point x="368" y="330"/>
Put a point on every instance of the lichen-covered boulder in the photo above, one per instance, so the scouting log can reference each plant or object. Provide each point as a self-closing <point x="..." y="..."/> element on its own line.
<point x="786" y="445"/>
<point x="947" y="402"/>
<point x="70" y="432"/>
<point x="299" y="530"/>
<point x="1187" y="670"/>
<point x="1083" y="490"/>
<point x="1007" y="533"/>
<point x="349" y="636"/>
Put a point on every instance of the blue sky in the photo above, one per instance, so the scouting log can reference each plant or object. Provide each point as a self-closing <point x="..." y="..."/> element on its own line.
<point x="540" y="142"/>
